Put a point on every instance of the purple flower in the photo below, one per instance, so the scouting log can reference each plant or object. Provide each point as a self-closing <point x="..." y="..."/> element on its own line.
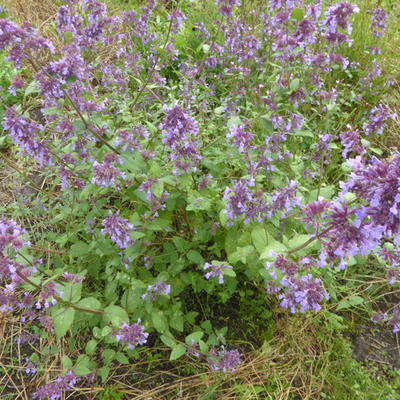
<point x="153" y="291"/>
<point x="240" y="137"/>
<point x="105" y="174"/>
<point x="178" y="133"/>
<point x="10" y="234"/>
<point x="378" y="184"/>
<point x="377" y="119"/>
<point x="226" y="6"/>
<point x="118" y="229"/>
<point x="216" y="271"/>
<point x="304" y="292"/>
<point x="243" y="200"/>
<point x="54" y="390"/>
<point x="351" y="141"/>
<point x="284" y="200"/>
<point x="24" y="133"/>
<point x="225" y="360"/>
<point x="378" y="24"/>
<point x="133" y="335"/>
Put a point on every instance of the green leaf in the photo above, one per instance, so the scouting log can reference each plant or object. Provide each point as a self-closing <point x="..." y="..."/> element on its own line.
<point x="342" y="305"/>
<point x="168" y="340"/>
<point x="90" y="303"/>
<point x="228" y="272"/>
<point x="62" y="321"/>
<point x="66" y="363"/>
<point x="104" y="372"/>
<point x="298" y="14"/>
<point x="275" y="247"/>
<point x="195" y="336"/>
<point x="195" y="257"/>
<point x="178" y="351"/>
<point x="356" y="300"/>
<point x="90" y="347"/>
<point x="79" y="249"/>
<point x="116" y="315"/>
<point x="159" y="321"/>
<point x="181" y="244"/>
<point x="176" y="321"/>
<point x="108" y="355"/>
<point x="82" y="366"/>
<point x="122" y="358"/>
<point x="259" y="238"/>
<point x="31" y="89"/>
<point x="233" y="121"/>
<point x="294" y="84"/>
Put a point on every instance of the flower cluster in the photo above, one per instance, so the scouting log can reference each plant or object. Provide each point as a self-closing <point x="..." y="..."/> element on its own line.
<point x="305" y="292"/>
<point x="225" y="360"/>
<point x="179" y="133"/>
<point x="55" y="389"/>
<point x="118" y="229"/>
<point x="133" y="335"/>
<point x="217" y="271"/>
<point x="243" y="200"/>
<point x="159" y="288"/>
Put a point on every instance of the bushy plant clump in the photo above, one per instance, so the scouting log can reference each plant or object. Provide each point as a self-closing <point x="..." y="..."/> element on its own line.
<point x="187" y="157"/>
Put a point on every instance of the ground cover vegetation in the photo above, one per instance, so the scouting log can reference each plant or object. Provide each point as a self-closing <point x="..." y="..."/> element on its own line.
<point x="206" y="197"/>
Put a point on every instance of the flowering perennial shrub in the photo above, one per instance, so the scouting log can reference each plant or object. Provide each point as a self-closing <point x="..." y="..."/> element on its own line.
<point x="187" y="142"/>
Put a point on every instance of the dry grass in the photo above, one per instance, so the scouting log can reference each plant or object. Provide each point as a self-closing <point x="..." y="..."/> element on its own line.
<point x="286" y="369"/>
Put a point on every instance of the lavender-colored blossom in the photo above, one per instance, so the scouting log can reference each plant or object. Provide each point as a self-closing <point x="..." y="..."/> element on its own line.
<point x="159" y="288"/>
<point x="312" y="213"/>
<point x="106" y="174"/>
<point x="377" y="119"/>
<point x="54" y="390"/>
<point x="284" y="200"/>
<point x="394" y="320"/>
<point x="378" y="184"/>
<point x="347" y="234"/>
<point x="305" y="292"/>
<point x="378" y="24"/>
<point x="16" y="83"/>
<point x="25" y="134"/>
<point x="129" y="140"/>
<point x="243" y="200"/>
<point x="351" y="141"/>
<point x="226" y="6"/>
<point x="216" y="271"/>
<point x="337" y="16"/>
<point x="11" y="234"/>
<point x="118" y="229"/>
<point x="179" y="133"/>
<point x="225" y="360"/>
<point x="240" y="138"/>
<point x="132" y="335"/>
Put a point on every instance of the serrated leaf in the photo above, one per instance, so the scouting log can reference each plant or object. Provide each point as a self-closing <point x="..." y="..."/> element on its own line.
<point x="116" y="315"/>
<point x="259" y="238"/>
<point x="62" y="321"/>
<point x="90" y="347"/>
<point x="79" y="249"/>
<point x="122" y="358"/>
<point x="294" y="84"/>
<point x="104" y="372"/>
<point x="233" y="121"/>
<point x="66" y="363"/>
<point x="275" y="247"/>
<point x="356" y="300"/>
<point x="159" y="321"/>
<point x="178" y="351"/>
<point x="82" y="365"/>
<point x="195" y="336"/>
<point x="168" y="340"/>
<point x="342" y="305"/>
<point x="195" y="257"/>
